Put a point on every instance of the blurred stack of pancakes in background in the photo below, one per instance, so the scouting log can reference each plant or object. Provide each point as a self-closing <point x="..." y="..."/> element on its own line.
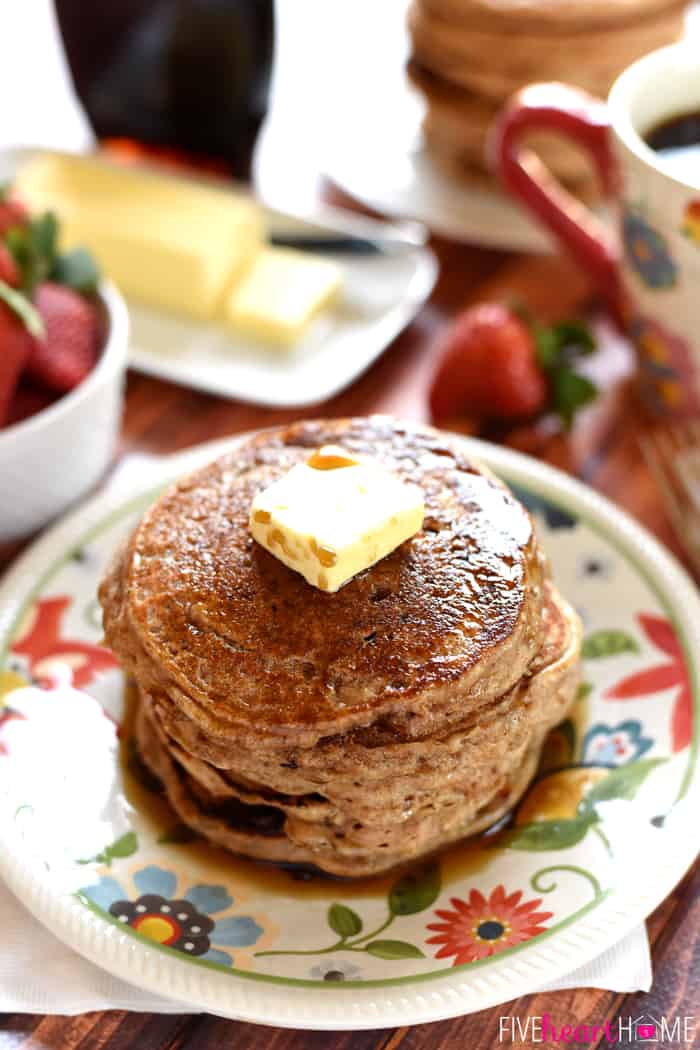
<point x="354" y="731"/>
<point x="470" y="56"/>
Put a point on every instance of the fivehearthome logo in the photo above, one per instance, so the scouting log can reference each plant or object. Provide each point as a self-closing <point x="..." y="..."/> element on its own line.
<point x="646" y="1028"/>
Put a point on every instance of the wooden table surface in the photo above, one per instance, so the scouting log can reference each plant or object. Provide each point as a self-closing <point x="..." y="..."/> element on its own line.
<point x="603" y="450"/>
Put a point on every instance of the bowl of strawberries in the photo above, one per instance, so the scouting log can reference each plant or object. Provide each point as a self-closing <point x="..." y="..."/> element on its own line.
<point x="63" y="345"/>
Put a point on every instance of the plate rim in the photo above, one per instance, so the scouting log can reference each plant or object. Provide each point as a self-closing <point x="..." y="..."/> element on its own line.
<point x="88" y="933"/>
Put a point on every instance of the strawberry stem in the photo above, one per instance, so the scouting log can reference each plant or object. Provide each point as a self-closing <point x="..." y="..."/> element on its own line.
<point x="22" y="308"/>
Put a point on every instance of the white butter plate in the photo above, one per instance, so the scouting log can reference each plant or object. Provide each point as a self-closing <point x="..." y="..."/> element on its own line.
<point x="382" y="293"/>
<point x="601" y="837"/>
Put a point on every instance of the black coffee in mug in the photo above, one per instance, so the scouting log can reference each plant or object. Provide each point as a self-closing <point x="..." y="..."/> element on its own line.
<point x="677" y="140"/>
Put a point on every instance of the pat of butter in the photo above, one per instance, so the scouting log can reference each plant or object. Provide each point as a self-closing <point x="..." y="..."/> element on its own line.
<point x="335" y="515"/>
<point x="171" y="243"/>
<point x="279" y="296"/>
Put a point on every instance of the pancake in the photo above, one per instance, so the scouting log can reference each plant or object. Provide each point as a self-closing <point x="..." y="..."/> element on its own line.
<point x="493" y="61"/>
<point x="470" y="56"/>
<point x="456" y="127"/>
<point x="353" y="731"/>
<point x="195" y="608"/>
<point x="423" y="795"/>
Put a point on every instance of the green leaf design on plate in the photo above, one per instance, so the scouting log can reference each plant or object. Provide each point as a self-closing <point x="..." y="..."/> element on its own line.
<point x="584" y="690"/>
<point x="125" y="846"/>
<point x="547" y="834"/>
<point x="394" y="950"/>
<point x="608" y="643"/>
<point x="623" y="782"/>
<point x="343" y="920"/>
<point x="416" y="890"/>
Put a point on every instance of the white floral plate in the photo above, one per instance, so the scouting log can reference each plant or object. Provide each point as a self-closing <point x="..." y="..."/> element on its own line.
<point x="601" y="838"/>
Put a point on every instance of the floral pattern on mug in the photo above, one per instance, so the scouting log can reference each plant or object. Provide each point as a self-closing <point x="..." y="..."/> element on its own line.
<point x="667" y="369"/>
<point x="691" y="222"/>
<point x="482" y="926"/>
<point x="605" y="745"/>
<point x="647" y="251"/>
<point x="188" y="919"/>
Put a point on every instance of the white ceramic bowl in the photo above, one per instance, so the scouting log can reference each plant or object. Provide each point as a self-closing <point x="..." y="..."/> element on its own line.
<point x="53" y="458"/>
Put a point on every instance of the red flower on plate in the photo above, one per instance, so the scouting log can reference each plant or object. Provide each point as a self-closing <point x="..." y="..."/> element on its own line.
<point x="480" y="926"/>
<point x="671" y="675"/>
<point x="45" y="647"/>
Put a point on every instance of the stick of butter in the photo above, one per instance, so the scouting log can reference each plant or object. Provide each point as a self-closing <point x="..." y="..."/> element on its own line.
<point x="335" y="515"/>
<point x="280" y="295"/>
<point x="170" y="243"/>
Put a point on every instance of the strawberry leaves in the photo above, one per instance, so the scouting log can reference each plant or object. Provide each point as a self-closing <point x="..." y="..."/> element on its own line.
<point x="23" y="309"/>
<point x="570" y="392"/>
<point x="76" y="269"/>
<point x="34" y="247"/>
<point x="558" y="349"/>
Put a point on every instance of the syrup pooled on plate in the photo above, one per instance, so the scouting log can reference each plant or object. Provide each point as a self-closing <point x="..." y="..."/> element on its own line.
<point x="548" y="799"/>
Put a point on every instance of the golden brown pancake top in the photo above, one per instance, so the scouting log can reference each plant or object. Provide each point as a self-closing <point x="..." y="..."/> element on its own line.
<point x="227" y="623"/>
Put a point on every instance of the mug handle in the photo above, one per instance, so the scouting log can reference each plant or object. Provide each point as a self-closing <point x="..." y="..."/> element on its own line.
<point x="584" y="119"/>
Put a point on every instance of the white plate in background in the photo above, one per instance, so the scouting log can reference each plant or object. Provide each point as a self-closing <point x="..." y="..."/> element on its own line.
<point x="381" y="295"/>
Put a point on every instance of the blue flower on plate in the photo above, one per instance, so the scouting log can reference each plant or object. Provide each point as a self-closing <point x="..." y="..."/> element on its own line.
<point x="615" y="745"/>
<point x="555" y="517"/>
<point x="185" y="922"/>
<point x="647" y="252"/>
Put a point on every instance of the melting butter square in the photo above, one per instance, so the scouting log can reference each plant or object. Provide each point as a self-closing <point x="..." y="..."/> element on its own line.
<point x="335" y="515"/>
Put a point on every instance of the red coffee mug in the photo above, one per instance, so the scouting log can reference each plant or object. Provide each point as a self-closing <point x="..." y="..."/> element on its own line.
<point x="649" y="274"/>
<point x="584" y="119"/>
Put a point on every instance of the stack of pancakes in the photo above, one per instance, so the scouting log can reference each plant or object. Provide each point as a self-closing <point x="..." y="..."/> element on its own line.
<point x="469" y="56"/>
<point x="351" y="731"/>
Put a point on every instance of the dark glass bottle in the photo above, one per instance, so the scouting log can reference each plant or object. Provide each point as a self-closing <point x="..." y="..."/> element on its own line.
<point x="188" y="74"/>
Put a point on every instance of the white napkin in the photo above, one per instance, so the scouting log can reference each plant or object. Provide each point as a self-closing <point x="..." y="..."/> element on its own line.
<point x="38" y="974"/>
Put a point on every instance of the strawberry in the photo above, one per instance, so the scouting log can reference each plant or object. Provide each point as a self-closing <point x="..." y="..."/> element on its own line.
<point x="9" y="271"/>
<point x="28" y="399"/>
<point x="12" y="213"/>
<point x="488" y="368"/>
<point x="16" y="343"/>
<point x="67" y="353"/>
